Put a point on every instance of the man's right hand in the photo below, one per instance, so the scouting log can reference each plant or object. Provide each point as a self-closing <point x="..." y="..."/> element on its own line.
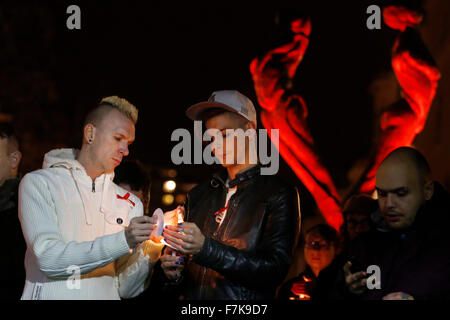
<point x="139" y="230"/>
<point x="355" y="282"/>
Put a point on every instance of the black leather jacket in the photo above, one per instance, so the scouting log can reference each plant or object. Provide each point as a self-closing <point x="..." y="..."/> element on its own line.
<point x="248" y="257"/>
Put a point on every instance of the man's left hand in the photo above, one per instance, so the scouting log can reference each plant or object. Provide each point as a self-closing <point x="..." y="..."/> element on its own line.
<point x="186" y="238"/>
<point x="398" y="296"/>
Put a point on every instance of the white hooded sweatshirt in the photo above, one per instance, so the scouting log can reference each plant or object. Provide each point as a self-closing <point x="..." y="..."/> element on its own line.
<point x="75" y="226"/>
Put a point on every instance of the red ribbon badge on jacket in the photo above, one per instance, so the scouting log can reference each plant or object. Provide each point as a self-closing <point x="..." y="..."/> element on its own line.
<point x="125" y="197"/>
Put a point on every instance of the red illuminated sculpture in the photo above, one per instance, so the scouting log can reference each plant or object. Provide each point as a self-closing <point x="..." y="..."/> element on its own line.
<point x="415" y="71"/>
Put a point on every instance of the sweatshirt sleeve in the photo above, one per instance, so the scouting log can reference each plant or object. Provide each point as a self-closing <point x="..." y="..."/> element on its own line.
<point x="133" y="269"/>
<point x="39" y="220"/>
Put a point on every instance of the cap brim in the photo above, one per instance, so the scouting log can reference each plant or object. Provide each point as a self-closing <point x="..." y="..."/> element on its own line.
<point x="193" y="112"/>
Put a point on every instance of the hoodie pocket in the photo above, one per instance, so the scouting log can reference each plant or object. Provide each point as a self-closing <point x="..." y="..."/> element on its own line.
<point x="116" y="220"/>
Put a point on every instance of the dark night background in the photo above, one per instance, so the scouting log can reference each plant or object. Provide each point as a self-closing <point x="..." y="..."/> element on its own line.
<point x="165" y="58"/>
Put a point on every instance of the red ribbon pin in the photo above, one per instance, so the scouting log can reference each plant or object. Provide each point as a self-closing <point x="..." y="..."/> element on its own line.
<point x="125" y="197"/>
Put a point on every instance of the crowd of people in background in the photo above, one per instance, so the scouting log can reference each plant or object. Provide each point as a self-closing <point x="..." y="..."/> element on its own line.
<point x="239" y="232"/>
<point x="402" y="234"/>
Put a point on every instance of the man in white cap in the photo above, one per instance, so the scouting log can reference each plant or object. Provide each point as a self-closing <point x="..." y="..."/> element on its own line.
<point x="241" y="225"/>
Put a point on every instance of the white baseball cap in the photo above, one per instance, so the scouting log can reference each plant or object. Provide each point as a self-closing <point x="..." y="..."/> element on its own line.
<point x="231" y="100"/>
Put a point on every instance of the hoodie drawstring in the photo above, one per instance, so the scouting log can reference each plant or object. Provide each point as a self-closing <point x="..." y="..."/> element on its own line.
<point x="87" y="214"/>
<point x="104" y="192"/>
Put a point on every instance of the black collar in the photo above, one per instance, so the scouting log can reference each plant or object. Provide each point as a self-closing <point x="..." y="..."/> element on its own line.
<point x="240" y="177"/>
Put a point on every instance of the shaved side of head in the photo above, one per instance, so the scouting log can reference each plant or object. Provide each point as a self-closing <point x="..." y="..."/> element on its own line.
<point x="96" y="116"/>
<point x="106" y="105"/>
<point x="410" y="156"/>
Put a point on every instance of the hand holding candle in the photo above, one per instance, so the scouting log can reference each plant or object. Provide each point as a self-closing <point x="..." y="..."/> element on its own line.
<point x="139" y="230"/>
<point x="173" y="218"/>
<point x="185" y="238"/>
<point x="153" y="246"/>
<point x="172" y="263"/>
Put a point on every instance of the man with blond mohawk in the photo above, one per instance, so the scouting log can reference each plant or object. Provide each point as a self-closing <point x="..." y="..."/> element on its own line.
<point x="83" y="232"/>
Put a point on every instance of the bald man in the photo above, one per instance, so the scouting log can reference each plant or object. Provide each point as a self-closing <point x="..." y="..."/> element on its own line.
<point x="410" y="243"/>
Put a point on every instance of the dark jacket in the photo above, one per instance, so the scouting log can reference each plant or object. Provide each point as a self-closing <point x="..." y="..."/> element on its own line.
<point x="12" y="266"/>
<point x="248" y="257"/>
<point x="415" y="261"/>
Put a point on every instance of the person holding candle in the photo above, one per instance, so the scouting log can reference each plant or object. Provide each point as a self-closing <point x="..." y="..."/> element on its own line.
<point x="82" y="230"/>
<point x="321" y="246"/>
<point x="241" y="226"/>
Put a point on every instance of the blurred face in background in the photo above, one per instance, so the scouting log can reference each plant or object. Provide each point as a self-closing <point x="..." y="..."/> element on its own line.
<point x="9" y="161"/>
<point x="319" y="253"/>
<point x="357" y="223"/>
<point x="4" y="161"/>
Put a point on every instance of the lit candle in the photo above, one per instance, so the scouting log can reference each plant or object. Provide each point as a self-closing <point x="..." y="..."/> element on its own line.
<point x="172" y="218"/>
<point x="153" y="246"/>
<point x="153" y="249"/>
<point x="304" y="296"/>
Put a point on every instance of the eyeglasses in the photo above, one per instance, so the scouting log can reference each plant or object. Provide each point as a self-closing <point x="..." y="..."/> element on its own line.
<point x="316" y="245"/>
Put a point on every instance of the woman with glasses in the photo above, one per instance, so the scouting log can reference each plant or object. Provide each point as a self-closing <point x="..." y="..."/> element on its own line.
<point x="320" y="250"/>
